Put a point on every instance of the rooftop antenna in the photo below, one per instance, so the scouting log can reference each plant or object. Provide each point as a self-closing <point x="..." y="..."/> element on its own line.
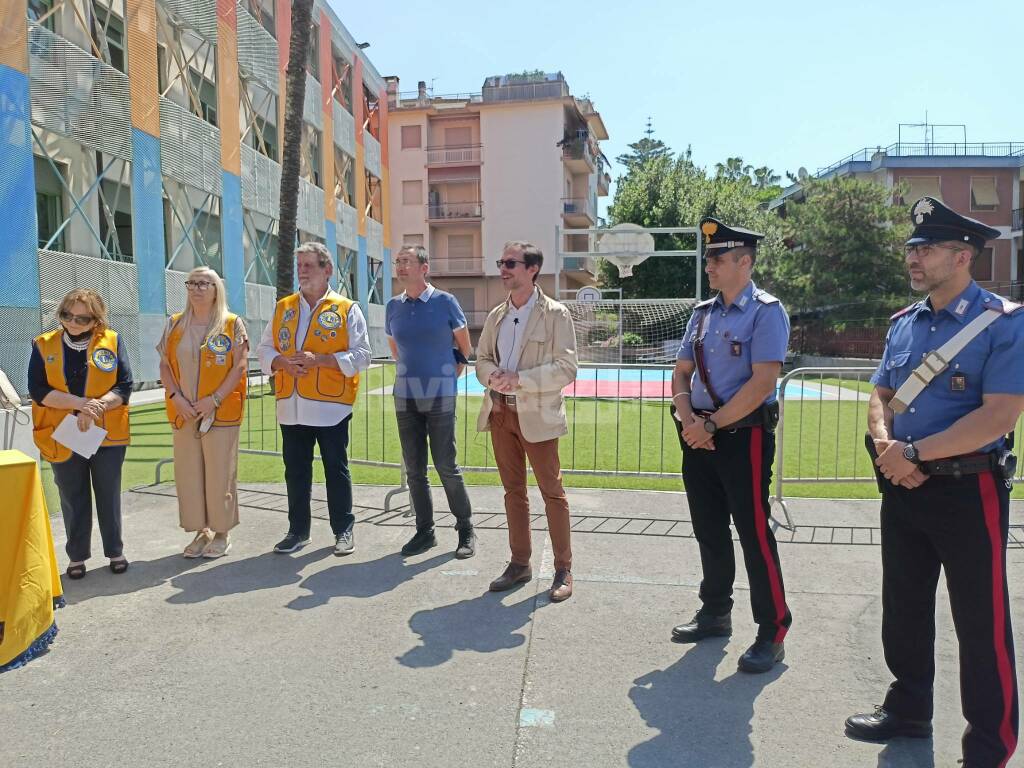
<point x="432" y="86"/>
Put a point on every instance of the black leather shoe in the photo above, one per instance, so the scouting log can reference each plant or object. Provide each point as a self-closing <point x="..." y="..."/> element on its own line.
<point x="513" y="574"/>
<point x="421" y="542"/>
<point x="882" y="725"/>
<point x="467" y="544"/>
<point x="762" y="656"/>
<point x="702" y="625"/>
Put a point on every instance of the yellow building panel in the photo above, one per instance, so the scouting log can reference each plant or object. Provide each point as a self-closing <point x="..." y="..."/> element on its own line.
<point x="385" y="204"/>
<point x="140" y="29"/>
<point x="14" y="35"/>
<point x="228" y="97"/>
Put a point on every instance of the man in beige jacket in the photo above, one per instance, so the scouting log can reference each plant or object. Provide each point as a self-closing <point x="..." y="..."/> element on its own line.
<point x="525" y="358"/>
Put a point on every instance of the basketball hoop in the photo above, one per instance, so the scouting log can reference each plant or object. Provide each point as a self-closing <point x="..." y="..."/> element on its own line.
<point x="625" y="245"/>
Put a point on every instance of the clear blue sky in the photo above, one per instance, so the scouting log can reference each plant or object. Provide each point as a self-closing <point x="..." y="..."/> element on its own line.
<point x="783" y="84"/>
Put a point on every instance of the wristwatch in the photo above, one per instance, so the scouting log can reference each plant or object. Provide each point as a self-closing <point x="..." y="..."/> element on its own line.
<point x="710" y="427"/>
<point x="910" y="453"/>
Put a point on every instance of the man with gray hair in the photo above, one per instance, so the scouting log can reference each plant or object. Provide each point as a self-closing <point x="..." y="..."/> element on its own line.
<point x="423" y="325"/>
<point x="314" y="349"/>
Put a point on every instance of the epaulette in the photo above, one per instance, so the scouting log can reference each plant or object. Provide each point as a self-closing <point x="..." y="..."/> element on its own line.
<point x="705" y="303"/>
<point x="904" y="311"/>
<point x="765" y="298"/>
<point x="1008" y="307"/>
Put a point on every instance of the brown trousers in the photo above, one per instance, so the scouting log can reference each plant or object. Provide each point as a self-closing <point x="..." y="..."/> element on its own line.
<point x="510" y="453"/>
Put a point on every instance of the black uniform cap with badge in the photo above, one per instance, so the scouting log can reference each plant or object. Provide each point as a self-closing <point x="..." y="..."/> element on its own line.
<point x="720" y="238"/>
<point x="934" y="222"/>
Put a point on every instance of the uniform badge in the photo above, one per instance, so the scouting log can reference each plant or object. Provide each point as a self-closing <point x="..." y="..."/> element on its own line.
<point x="329" y="319"/>
<point x="334" y="307"/>
<point x="743" y="301"/>
<point x="221" y="360"/>
<point x="288" y="315"/>
<point x="736" y="348"/>
<point x="104" y="359"/>
<point x="958" y="382"/>
<point x="708" y="228"/>
<point x="284" y="338"/>
<point x="220" y="345"/>
<point x="316" y="331"/>
<point x="962" y="306"/>
<point x="333" y="334"/>
<point x="50" y="358"/>
<point x="923" y="208"/>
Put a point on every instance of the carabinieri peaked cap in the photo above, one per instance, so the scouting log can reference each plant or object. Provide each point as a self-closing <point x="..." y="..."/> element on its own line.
<point x="935" y="222"/>
<point x="719" y="237"/>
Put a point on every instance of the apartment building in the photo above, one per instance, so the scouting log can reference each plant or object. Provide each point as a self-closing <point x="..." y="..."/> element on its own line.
<point x="143" y="138"/>
<point x="513" y="162"/>
<point x="983" y="180"/>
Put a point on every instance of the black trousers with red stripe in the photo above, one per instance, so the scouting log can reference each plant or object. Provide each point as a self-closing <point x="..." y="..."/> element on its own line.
<point x="732" y="483"/>
<point x="959" y="525"/>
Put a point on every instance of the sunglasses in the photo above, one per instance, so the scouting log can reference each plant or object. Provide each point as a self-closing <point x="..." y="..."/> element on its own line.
<point x="508" y="263"/>
<point x="197" y="285"/>
<point x="69" y="317"/>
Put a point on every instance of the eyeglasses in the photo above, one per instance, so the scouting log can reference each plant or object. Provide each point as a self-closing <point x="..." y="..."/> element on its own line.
<point x="68" y="317"/>
<point x="928" y="248"/>
<point x="197" y="285"/>
<point x="508" y="263"/>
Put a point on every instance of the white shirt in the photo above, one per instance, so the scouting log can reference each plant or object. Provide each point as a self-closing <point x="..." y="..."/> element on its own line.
<point x="315" y="413"/>
<point x="512" y="333"/>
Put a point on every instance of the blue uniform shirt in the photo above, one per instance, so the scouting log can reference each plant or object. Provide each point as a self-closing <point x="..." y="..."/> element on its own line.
<point x="754" y="329"/>
<point x="422" y="331"/>
<point x="992" y="363"/>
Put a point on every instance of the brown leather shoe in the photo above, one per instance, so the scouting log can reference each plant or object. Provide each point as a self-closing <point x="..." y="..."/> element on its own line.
<point x="561" y="587"/>
<point x="514" y="574"/>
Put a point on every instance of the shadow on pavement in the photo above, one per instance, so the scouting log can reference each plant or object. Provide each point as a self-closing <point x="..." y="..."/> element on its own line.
<point x="365" y="579"/>
<point x="907" y="753"/>
<point x="267" y="571"/>
<point x="702" y="721"/>
<point x="483" y="624"/>
<point x="141" y="574"/>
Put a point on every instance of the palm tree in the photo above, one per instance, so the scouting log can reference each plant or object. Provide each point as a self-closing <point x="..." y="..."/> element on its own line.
<point x="733" y="169"/>
<point x="765" y="177"/>
<point x="295" y="84"/>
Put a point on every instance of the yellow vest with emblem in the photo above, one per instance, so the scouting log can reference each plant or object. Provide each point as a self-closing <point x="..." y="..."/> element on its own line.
<point x="327" y="334"/>
<point x="101" y="360"/>
<point x="216" y="361"/>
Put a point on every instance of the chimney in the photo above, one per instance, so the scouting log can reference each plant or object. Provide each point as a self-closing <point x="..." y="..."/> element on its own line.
<point x="421" y="92"/>
<point x="391" y="84"/>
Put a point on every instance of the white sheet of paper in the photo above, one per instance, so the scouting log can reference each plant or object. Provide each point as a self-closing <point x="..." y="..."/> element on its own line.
<point x="83" y="443"/>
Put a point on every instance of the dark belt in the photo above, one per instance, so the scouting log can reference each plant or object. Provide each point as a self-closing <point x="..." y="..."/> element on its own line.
<point x="967" y="464"/>
<point x="508" y="401"/>
<point x="759" y="417"/>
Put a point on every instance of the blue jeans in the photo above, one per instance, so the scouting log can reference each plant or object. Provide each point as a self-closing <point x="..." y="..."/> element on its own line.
<point x="297" y="450"/>
<point x="423" y="420"/>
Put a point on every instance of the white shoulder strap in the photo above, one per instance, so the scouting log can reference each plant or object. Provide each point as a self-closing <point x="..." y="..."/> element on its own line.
<point x="936" y="362"/>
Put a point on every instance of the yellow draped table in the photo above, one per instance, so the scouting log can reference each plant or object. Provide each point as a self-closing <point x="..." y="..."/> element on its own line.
<point x="30" y="586"/>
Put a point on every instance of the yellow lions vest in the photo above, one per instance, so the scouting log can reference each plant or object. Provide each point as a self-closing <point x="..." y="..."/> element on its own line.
<point x="216" y="360"/>
<point x="327" y="334"/>
<point x="101" y="359"/>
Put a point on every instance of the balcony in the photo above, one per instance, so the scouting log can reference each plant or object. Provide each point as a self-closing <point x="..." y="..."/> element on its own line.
<point x="456" y="265"/>
<point x="578" y="212"/>
<point x="449" y="157"/>
<point x="586" y="264"/>
<point x="454" y="213"/>
<point x="1018" y="220"/>
<point x="577" y="156"/>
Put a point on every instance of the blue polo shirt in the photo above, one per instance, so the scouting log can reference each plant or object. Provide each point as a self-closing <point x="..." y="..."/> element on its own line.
<point x="422" y="331"/>
<point x="992" y="363"/>
<point x="753" y="329"/>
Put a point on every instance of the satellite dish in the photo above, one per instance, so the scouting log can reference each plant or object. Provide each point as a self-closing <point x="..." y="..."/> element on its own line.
<point x="625" y="246"/>
<point x="801" y="173"/>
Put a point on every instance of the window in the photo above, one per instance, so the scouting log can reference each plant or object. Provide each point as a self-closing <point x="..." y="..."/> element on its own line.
<point x="49" y="204"/>
<point x="205" y="237"/>
<point x="264" y="14"/>
<point x="348" y="272"/>
<point x="344" y="177"/>
<point x="983" y="193"/>
<point x="377" y="284"/>
<point x="921" y="186"/>
<point x="412" y="240"/>
<point x="116" y="220"/>
<point x="342" y="88"/>
<point x="458" y="137"/>
<point x="313" y="62"/>
<point x="460" y="247"/>
<point x="207" y="93"/>
<point x="161" y="68"/>
<point x="268" y="131"/>
<point x="411" y="138"/>
<point x="316" y="158"/>
<point x="412" y="192"/>
<point x="983" y="268"/>
<point x="466" y="298"/>
<point x="109" y="36"/>
<point x="37" y="9"/>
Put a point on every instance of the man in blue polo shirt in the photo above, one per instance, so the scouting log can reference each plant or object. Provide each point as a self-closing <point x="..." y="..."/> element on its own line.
<point x="428" y="336"/>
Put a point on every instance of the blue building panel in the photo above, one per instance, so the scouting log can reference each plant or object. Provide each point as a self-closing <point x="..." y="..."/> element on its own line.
<point x="19" y="260"/>
<point x="331" y="238"/>
<point x="363" y="275"/>
<point x="231" y="242"/>
<point x="148" y="223"/>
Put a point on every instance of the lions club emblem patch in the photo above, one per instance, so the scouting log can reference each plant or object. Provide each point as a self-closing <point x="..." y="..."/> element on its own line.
<point x="104" y="359"/>
<point x="219" y="344"/>
<point x="329" y="319"/>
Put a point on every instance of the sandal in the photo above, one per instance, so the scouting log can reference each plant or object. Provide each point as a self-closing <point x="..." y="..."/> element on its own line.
<point x="119" y="566"/>
<point x="76" y="571"/>
<point x="218" y="547"/>
<point x="199" y="543"/>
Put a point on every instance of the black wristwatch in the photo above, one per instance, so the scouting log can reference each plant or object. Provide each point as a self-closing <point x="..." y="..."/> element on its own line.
<point x="910" y="453"/>
<point x="710" y="427"/>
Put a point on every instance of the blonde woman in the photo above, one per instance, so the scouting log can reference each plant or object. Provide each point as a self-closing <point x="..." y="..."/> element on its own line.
<point x="81" y="368"/>
<point x="202" y="365"/>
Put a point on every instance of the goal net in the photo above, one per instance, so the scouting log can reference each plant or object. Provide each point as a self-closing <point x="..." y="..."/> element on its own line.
<point x="629" y="331"/>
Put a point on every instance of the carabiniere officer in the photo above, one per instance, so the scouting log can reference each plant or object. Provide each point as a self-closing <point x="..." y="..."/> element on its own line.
<point x="723" y="390"/>
<point x="948" y="390"/>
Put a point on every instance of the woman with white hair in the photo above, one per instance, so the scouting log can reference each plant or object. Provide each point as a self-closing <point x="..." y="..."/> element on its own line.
<point x="203" y="365"/>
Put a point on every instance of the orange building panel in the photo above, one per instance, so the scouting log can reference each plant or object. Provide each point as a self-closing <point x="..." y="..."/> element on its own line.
<point x="228" y="95"/>
<point x="140" y="30"/>
<point x="14" y="35"/>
